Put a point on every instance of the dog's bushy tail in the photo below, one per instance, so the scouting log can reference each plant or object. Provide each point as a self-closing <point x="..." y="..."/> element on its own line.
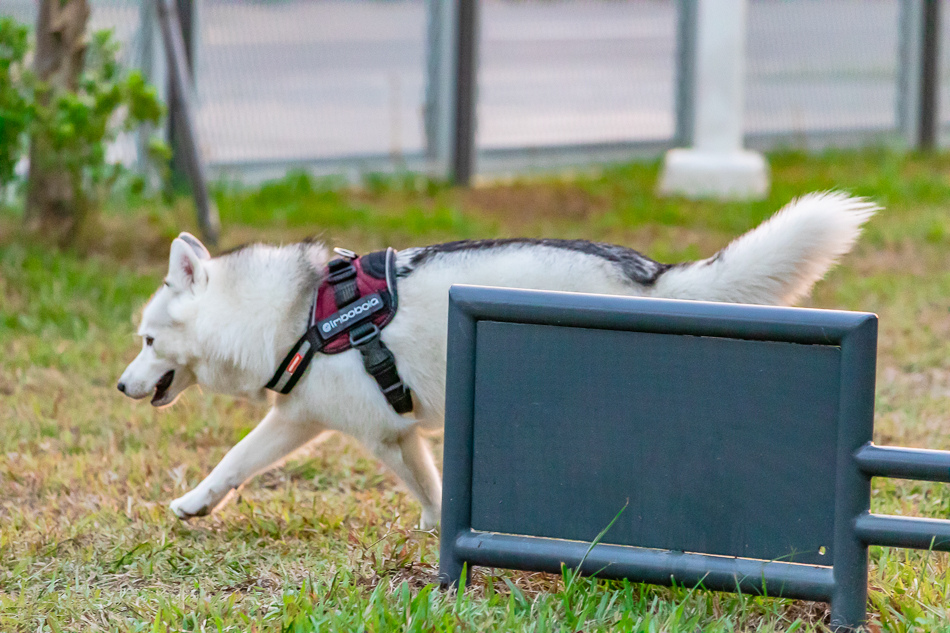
<point x="779" y="261"/>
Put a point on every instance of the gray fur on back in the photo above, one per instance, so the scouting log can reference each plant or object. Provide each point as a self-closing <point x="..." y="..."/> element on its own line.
<point x="637" y="267"/>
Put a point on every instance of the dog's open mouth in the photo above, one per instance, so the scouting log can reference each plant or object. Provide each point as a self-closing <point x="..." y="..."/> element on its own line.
<point x="161" y="389"/>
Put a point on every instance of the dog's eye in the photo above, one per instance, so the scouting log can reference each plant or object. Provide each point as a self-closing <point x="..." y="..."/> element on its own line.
<point x="149" y="340"/>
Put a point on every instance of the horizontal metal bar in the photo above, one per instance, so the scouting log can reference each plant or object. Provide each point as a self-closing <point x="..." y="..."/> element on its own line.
<point x="661" y="316"/>
<point x="493" y="162"/>
<point x="913" y="532"/>
<point x="659" y="567"/>
<point x="905" y="463"/>
<point x="817" y="139"/>
<point x="534" y="159"/>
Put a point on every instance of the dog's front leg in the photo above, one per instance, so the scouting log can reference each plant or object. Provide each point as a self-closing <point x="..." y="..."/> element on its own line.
<point x="274" y="438"/>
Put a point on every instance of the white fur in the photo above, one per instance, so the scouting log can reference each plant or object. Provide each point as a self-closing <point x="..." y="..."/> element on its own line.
<point x="779" y="261"/>
<point x="227" y="322"/>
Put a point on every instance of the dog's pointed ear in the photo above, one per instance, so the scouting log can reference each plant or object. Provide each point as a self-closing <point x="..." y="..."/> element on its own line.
<point x="196" y="244"/>
<point x="186" y="264"/>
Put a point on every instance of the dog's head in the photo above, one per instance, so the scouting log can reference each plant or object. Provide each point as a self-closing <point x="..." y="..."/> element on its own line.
<point x="166" y="366"/>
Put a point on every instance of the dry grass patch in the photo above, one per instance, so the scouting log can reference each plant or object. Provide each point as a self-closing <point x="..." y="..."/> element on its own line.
<point x="326" y="542"/>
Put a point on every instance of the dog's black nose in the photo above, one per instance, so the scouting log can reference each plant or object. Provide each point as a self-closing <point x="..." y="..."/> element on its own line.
<point x="122" y="387"/>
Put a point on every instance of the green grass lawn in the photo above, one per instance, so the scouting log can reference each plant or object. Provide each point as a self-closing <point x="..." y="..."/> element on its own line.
<point x="326" y="542"/>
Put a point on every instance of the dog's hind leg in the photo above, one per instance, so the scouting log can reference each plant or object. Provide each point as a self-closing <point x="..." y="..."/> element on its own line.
<point x="411" y="460"/>
<point x="276" y="437"/>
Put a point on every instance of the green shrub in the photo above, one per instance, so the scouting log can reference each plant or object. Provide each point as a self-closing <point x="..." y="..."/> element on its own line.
<point x="74" y="128"/>
<point x="15" y="105"/>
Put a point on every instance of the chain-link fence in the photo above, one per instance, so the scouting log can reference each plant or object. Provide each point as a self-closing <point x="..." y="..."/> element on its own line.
<point x="298" y="80"/>
<point x="574" y="73"/>
<point x="817" y="67"/>
<point x="353" y="85"/>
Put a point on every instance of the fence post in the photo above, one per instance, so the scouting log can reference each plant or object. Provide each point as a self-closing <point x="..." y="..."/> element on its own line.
<point x="466" y="88"/>
<point x="930" y="76"/>
<point x="716" y="165"/>
<point x="918" y="73"/>
<point x="151" y="61"/>
<point x="440" y="85"/>
<point x="187" y="22"/>
<point x="685" y="71"/>
<point x="451" y="85"/>
<point x="910" y="21"/>
<point x="181" y="113"/>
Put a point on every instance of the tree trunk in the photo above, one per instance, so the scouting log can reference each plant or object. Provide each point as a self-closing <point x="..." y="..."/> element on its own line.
<point x="55" y="205"/>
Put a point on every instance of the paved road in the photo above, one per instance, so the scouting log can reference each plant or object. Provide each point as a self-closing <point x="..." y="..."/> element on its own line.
<point x="298" y="79"/>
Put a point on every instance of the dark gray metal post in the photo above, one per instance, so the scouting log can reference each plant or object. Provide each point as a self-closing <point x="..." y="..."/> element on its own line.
<point x="685" y="71"/>
<point x="456" y="482"/>
<point x="181" y="114"/>
<point x="853" y="486"/>
<point x="185" y="19"/>
<point x="930" y="76"/>
<point x="466" y="87"/>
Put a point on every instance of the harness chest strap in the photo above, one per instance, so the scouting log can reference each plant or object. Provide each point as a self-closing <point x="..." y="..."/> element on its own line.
<point x="357" y="299"/>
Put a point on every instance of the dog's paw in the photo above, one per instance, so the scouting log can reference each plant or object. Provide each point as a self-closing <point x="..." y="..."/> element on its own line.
<point x="187" y="507"/>
<point x="429" y="520"/>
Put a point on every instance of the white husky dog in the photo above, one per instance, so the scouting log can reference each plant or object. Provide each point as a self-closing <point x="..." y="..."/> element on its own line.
<point x="227" y="322"/>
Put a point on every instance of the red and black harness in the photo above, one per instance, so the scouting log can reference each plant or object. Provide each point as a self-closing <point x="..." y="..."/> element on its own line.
<point x="356" y="300"/>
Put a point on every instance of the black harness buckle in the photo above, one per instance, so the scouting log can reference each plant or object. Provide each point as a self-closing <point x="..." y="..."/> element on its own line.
<point x="380" y="363"/>
<point x="359" y="339"/>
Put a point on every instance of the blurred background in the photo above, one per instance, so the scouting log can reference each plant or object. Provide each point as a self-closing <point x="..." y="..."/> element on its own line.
<point x="343" y="85"/>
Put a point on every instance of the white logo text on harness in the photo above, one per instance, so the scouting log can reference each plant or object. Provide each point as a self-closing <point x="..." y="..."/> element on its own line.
<point x="356" y="312"/>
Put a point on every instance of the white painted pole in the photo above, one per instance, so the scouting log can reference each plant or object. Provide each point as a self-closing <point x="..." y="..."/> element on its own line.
<point x="717" y="166"/>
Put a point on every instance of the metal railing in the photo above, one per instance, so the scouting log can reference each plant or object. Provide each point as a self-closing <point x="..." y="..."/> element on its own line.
<point x="484" y="86"/>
